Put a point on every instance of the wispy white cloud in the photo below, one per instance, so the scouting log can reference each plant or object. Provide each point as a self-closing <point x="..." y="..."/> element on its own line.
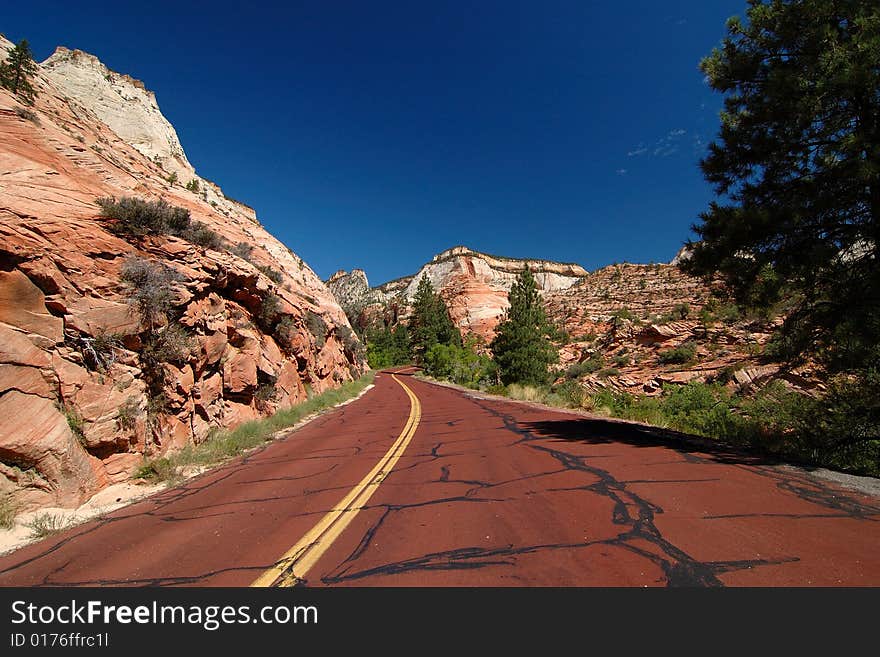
<point x="664" y="147"/>
<point x="621" y="172"/>
<point x="665" y="150"/>
<point x="641" y="149"/>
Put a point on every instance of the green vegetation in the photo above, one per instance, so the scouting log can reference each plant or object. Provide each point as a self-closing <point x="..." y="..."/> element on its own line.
<point x="270" y="312"/>
<point x="387" y="347"/>
<point x="429" y="326"/>
<point x="8" y="511"/>
<point x="522" y="346"/>
<point x="243" y="250"/>
<point x="798" y="160"/>
<point x="680" y="355"/>
<point x="149" y="287"/>
<point x="17" y="70"/>
<point x="76" y="424"/>
<point x="773" y="420"/>
<point x="136" y="217"/>
<point x="317" y="327"/>
<point x="461" y="364"/>
<point x="223" y="445"/>
<point x="172" y="178"/>
<point x="28" y="115"/>
<point x="46" y="524"/>
<point x="127" y="414"/>
<point x="430" y="323"/>
<point x="593" y="364"/>
<point x="273" y="274"/>
<point x="171" y="344"/>
<point x="265" y="395"/>
<point x="193" y="185"/>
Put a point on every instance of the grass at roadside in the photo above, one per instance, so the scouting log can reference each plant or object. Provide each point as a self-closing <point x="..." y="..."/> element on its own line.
<point x="47" y="524"/>
<point x="228" y="443"/>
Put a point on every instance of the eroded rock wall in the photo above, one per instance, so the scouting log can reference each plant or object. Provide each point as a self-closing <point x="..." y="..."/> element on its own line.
<point x="78" y="407"/>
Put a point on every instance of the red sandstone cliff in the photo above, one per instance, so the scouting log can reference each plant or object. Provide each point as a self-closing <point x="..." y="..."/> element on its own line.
<point x="75" y="412"/>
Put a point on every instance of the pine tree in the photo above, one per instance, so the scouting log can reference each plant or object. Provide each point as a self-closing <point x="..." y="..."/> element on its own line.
<point x="429" y="322"/>
<point x="797" y="161"/>
<point x="16" y="71"/>
<point x="522" y="347"/>
<point x="797" y="164"/>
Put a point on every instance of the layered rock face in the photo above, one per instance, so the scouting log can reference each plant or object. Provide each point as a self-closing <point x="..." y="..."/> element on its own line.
<point x="629" y="319"/>
<point x="474" y="285"/>
<point x="78" y="401"/>
<point x="624" y="319"/>
<point x="130" y="110"/>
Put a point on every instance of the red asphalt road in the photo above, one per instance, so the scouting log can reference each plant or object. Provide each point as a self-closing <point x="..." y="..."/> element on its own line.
<point x="489" y="493"/>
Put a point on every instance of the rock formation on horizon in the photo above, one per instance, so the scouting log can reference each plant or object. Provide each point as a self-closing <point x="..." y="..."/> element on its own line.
<point x="75" y="414"/>
<point x="621" y="320"/>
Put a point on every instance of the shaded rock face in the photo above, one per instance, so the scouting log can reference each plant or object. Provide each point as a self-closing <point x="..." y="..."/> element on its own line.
<point x="79" y="404"/>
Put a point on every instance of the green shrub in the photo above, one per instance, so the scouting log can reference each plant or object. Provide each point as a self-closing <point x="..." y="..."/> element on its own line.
<point x="243" y="250"/>
<point x="460" y="364"/>
<point x="593" y="364"/>
<point x="27" y="114"/>
<point x="170" y="345"/>
<point x="285" y="331"/>
<point x="623" y="314"/>
<point x="46" y="524"/>
<point x="683" y="353"/>
<point x="350" y="342"/>
<point x="608" y="371"/>
<point x="199" y="234"/>
<point x="622" y="360"/>
<point x="137" y="217"/>
<point x="265" y="395"/>
<point x="317" y="327"/>
<point x="572" y="394"/>
<point x="386" y="348"/>
<point x="149" y="287"/>
<point x="270" y="309"/>
<point x="681" y="311"/>
<point x="127" y="414"/>
<point x="76" y="423"/>
<point x="729" y="313"/>
<point x="193" y="185"/>
<point x="273" y="274"/>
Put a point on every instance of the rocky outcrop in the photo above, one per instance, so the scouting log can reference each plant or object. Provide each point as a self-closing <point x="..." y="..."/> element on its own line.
<point x="131" y="111"/>
<point x="353" y="292"/>
<point x="624" y="322"/>
<point x="80" y="401"/>
<point x="475" y="286"/>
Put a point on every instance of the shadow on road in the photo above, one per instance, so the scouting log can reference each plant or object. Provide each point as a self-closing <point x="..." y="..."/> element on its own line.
<point x="598" y="431"/>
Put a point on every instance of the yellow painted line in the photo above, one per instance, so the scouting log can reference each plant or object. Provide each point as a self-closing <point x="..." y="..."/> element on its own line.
<point x="298" y="560"/>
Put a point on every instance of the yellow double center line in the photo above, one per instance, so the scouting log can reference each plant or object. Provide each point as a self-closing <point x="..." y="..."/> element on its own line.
<point x="298" y="560"/>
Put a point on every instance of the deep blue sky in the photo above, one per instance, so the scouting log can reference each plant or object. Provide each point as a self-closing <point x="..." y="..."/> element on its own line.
<point x="376" y="134"/>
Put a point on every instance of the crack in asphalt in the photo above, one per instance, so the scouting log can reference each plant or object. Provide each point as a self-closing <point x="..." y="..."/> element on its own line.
<point x="632" y="512"/>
